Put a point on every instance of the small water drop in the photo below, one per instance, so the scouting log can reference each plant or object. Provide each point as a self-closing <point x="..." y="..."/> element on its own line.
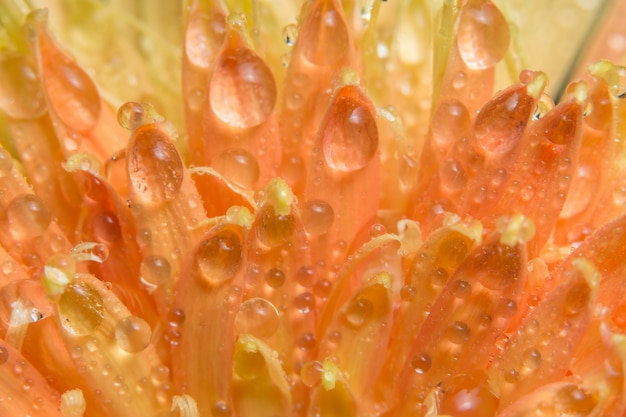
<point x="81" y="309"/>
<point x="483" y="34"/>
<point x="258" y="317"/>
<point x="501" y="342"/>
<point x="458" y="332"/>
<point x="359" y="312"/>
<point x="532" y="358"/>
<point x="451" y="122"/>
<point x="242" y="90"/>
<point x="154" y="165"/>
<point x="155" y="270"/>
<point x="238" y="165"/>
<point x="317" y="216"/>
<point x="21" y="96"/>
<point x="132" y="334"/>
<point x="311" y="373"/>
<point x="221" y="409"/>
<point x="28" y="217"/>
<point x="290" y="34"/>
<point x="574" y="401"/>
<point x="323" y="38"/>
<point x="305" y="302"/>
<point x="461" y="289"/>
<point x="106" y="227"/>
<point x="133" y="115"/>
<point x="305" y="276"/>
<point x="349" y="133"/>
<point x="452" y="175"/>
<point x="219" y="257"/>
<point x="421" y="363"/>
<point x="275" y="278"/>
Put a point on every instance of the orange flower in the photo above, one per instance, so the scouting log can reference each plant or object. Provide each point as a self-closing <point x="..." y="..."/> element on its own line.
<point x="340" y="224"/>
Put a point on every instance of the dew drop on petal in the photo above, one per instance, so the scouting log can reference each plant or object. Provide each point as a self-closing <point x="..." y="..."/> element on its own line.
<point x="532" y="358"/>
<point x="203" y="38"/>
<point x="70" y="91"/>
<point x="81" y="309"/>
<point x="221" y="409"/>
<point x="275" y="278"/>
<point x="219" y="257"/>
<point x="154" y="165"/>
<point x="21" y="96"/>
<point x="238" y="165"/>
<point x="452" y="175"/>
<point x="155" y="270"/>
<point x="572" y="400"/>
<point x="274" y="230"/>
<point x="311" y="373"/>
<point x="317" y="217"/>
<point x="290" y="34"/>
<point x="421" y="363"/>
<point x="323" y="38"/>
<point x="467" y="395"/>
<point x="458" y="332"/>
<point x="106" y="227"/>
<point x="483" y="34"/>
<point x="359" y="312"/>
<point x="28" y="216"/>
<point x="451" y="122"/>
<point x="132" y="115"/>
<point x="257" y="317"/>
<point x="305" y="302"/>
<point x="132" y="334"/>
<point x="349" y="133"/>
<point x="242" y="90"/>
<point x="6" y="163"/>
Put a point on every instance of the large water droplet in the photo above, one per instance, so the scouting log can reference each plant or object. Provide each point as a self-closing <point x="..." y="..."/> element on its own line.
<point x="317" y="217"/>
<point x="242" y="90"/>
<point x="323" y="38"/>
<point x="155" y="270"/>
<point x="273" y="229"/>
<point x="154" y="165"/>
<point x="483" y="34"/>
<point x="132" y="334"/>
<point x="349" y="133"/>
<point x="451" y="122"/>
<point x="81" y="309"/>
<point x="238" y="165"/>
<point x="203" y="38"/>
<point x="501" y="122"/>
<point x="219" y="257"/>
<point x="28" y="217"/>
<point x="257" y="317"/>
<point x="70" y="91"/>
<point x="21" y="96"/>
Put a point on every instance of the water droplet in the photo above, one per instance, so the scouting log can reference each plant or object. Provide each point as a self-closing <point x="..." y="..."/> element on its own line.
<point x="242" y="90"/>
<point x="467" y="395"/>
<point x="4" y="355"/>
<point x="323" y="38"/>
<point x="28" y="217"/>
<point x="349" y="133"/>
<point x="458" y="332"/>
<point x="275" y="278"/>
<point x="305" y="276"/>
<point x="219" y="257"/>
<point x="532" y="358"/>
<point x="439" y="277"/>
<point x="317" y="217"/>
<point x="501" y="342"/>
<point x="574" y="401"/>
<point x="290" y="34"/>
<point x="21" y="96"/>
<point x="6" y="163"/>
<point x="311" y="373"/>
<point x="305" y="302"/>
<point x="459" y="81"/>
<point x="421" y="363"/>
<point x="452" y="175"/>
<point x="257" y="317"/>
<point x="81" y="309"/>
<point x="154" y="165"/>
<point x="239" y="166"/>
<point x="502" y="121"/>
<point x="407" y="292"/>
<point x="132" y="334"/>
<point x="71" y="93"/>
<point x="203" y="38"/>
<point x="359" y="312"/>
<point x="133" y="115"/>
<point x="483" y="34"/>
<point x="106" y="227"/>
<point x="306" y="342"/>
<point x="461" y="289"/>
<point x="451" y="122"/>
<point x="511" y="376"/>
<point x="221" y="409"/>
<point x="274" y="230"/>
<point x="155" y="270"/>
<point x="561" y="125"/>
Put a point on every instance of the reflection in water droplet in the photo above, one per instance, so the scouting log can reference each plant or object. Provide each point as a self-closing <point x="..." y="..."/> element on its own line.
<point x="317" y="217"/>
<point x="154" y="165"/>
<point x="274" y="230"/>
<point x="81" y="309"/>
<point x="203" y="38"/>
<point x="70" y="91"/>
<point x="290" y="34"/>
<point x="349" y="133"/>
<point x="359" y="312"/>
<point x="219" y="257"/>
<point x="155" y="270"/>
<point x="311" y="373"/>
<point x="28" y="217"/>
<point x="132" y="115"/>
<point x="106" y="227"/>
<point x="21" y="96"/>
<point x="421" y="363"/>
<point x="451" y="122"/>
<point x="257" y="317"/>
<point x="238" y="165"/>
<point x="275" y="278"/>
<point x="483" y="34"/>
<point x="323" y="38"/>
<point x="458" y="332"/>
<point x="242" y="90"/>
<point x="132" y="334"/>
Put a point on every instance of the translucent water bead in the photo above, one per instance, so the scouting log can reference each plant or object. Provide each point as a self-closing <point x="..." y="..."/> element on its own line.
<point x="257" y="317"/>
<point x="323" y="38"/>
<point x="21" y="96"/>
<point x="132" y="334"/>
<point x="219" y="257"/>
<point x="154" y="165"/>
<point x="349" y="133"/>
<point x="28" y="217"/>
<point x="483" y="34"/>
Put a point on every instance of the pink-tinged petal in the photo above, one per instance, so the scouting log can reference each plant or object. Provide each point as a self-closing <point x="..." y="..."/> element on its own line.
<point x="539" y="351"/>
<point x="208" y="296"/>
<point x="23" y="390"/>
